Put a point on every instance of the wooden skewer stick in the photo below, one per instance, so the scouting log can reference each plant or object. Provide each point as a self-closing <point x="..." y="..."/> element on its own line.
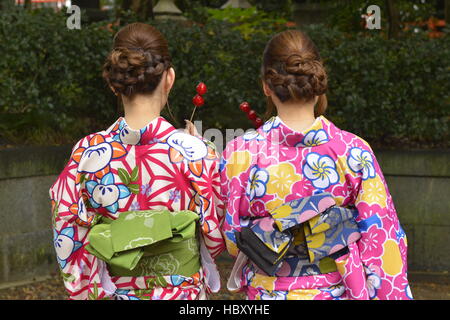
<point x="192" y="115"/>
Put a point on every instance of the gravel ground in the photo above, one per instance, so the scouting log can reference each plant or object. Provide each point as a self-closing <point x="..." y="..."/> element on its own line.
<point x="424" y="287"/>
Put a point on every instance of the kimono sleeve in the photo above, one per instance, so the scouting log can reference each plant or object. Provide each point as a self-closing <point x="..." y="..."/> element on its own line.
<point x="207" y="200"/>
<point x="234" y="165"/>
<point x="84" y="275"/>
<point x="383" y="244"/>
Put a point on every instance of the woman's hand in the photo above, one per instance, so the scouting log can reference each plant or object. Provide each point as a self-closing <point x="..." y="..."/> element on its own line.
<point x="190" y="128"/>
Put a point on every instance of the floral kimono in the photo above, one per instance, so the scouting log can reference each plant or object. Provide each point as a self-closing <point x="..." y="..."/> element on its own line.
<point x="266" y="171"/>
<point x="124" y="170"/>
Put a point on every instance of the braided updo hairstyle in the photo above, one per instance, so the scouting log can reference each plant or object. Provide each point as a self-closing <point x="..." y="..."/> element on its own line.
<point x="293" y="70"/>
<point x="139" y="57"/>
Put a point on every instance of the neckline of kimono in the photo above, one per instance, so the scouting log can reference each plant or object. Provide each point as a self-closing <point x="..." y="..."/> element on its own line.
<point x="151" y="133"/>
<point x="154" y="120"/>
<point x="304" y="131"/>
<point x="316" y="134"/>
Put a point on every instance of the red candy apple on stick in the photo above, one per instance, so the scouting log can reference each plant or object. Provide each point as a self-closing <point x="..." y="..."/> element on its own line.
<point x="198" y="100"/>
<point x="245" y="107"/>
<point x="258" y="122"/>
<point x="202" y="89"/>
<point x="251" y="114"/>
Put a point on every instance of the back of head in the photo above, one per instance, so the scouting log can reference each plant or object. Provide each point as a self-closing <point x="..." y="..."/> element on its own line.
<point x="293" y="70"/>
<point x="139" y="57"/>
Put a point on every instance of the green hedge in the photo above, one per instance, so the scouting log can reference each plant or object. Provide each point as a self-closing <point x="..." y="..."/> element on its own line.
<point x="50" y="77"/>
<point x="391" y="92"/>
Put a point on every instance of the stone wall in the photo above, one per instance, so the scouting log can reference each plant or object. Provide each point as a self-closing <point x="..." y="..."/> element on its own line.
<point x="26" y="246"/>
<point x="418" y="180"/>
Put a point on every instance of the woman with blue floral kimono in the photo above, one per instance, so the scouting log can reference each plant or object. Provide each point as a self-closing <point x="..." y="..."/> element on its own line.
<point x="308" y="211"/>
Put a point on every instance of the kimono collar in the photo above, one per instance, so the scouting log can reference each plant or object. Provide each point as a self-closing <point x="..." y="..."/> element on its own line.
<point x="275" y="130"/>
<point x="155" y="131"/>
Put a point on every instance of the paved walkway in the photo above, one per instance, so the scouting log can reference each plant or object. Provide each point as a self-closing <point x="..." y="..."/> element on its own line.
<point x="425" y="286"/>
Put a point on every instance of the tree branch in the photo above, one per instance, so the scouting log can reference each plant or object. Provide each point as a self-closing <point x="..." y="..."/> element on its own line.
<point x="394" y="19"/>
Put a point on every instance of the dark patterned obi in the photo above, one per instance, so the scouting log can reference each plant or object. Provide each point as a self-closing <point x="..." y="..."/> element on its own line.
<point x="300" y="238"/>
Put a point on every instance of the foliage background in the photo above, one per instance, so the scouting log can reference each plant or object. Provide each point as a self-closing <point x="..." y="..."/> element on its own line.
<point x="394" y="93"/>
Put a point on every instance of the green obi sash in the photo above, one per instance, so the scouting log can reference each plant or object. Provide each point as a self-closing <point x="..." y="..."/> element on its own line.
<point x="147" y="243"/>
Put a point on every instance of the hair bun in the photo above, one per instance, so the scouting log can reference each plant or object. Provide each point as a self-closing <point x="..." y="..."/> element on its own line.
<point x="131" y="70"/>
<point x="302" y="78"/>
<point x="292" y="67"/>
<point x="139" y="58"/>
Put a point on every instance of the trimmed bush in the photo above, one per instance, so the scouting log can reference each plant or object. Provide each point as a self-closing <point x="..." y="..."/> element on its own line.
<point x="391" y="92"/>
<point x="50" y="77"/>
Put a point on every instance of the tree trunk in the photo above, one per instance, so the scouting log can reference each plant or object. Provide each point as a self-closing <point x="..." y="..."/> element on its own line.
<point x="87" y="4"/>
<point x="126" y="5"/>
<point x="142" y="8"/>
<point x="27" y="4"/>
<point x="136" y="5"/>
<point x="447" y="13"/>
<point x="393" y="18"/>
<point x="149" y="10"/>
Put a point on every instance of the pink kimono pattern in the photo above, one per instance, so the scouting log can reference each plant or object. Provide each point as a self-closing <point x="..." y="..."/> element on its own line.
<point x="122" y="169"/>
<point x="268" y="167"/>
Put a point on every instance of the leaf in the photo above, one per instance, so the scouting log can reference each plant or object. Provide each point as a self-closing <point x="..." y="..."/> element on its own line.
<point x="55" y="214"/>
<point x="88" y="205"/>
<point x="95" y="289"/>
<point x="68" y="277"/>
<point x="93" y="295"/>
<point x="161" y="281"/>
<point x="124" y="176"/>
<point x="134" y="188"/>
<point x="150" y="282"/>
<point x="135" y="174"/>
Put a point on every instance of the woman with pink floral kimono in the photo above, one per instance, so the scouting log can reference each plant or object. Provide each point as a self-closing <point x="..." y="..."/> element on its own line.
<point x="127" y="205"/>
<point x="308" y="212"/>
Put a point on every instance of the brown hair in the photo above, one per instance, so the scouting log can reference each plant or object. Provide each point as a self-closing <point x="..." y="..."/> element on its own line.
<point x="293" y="70"/>
<point x="139" y="57"/>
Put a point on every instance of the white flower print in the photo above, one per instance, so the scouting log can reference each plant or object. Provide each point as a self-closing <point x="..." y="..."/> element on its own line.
<point x="373" y="282"/>
<point x="127" y="135"/>
<point x="130" y="136"/>
<point x="192" y="148"/>
<point x="408" y="292"/>
<point x="95" y="158"/>
<point x="273" y="122"/>
<point x="106" y="193"/>
<point x="273" y="295"/>
<point x="253" y="134"/>
<point x="360" y="160"/>
<point x="257" y="181"/>
<point x="314" y="138"/>
<point x="321" y="170"/>
<point x="83" y="214"/>
<point x="337" y="291"/>
<point x="65" y="245"/>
